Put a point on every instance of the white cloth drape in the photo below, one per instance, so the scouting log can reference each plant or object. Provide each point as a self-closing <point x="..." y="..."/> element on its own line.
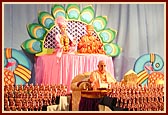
<point x="63" y="105"/>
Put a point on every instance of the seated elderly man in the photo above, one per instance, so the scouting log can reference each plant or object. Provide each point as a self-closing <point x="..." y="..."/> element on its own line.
<point x="101" y="78"/>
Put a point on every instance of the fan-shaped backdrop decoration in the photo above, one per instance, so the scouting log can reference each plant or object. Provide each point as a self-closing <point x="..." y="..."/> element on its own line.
<point x="73" y="11"/>
<point x="87" y="14"/>
<point x="99" y="23"/>
<point x="107" y="35"/>
<point x="36" y="31"/>
<point x="46" y="19"/>
<point x="58" y="10"/>
<point x="42" y="34"/>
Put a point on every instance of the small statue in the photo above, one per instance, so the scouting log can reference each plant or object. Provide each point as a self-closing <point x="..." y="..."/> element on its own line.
<point x="89" y="43"/>
<point x="62" y="39"/>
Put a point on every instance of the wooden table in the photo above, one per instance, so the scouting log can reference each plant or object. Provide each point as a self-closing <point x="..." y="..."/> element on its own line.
<point x="90" y="99"/>
<point x="94" y="93"/>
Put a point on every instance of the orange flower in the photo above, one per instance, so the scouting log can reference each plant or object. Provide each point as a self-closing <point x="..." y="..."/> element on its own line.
<point x="83" y="50"/>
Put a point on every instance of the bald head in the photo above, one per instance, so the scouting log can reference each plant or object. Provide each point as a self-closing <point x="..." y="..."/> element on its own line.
<point x="101" y="62"/>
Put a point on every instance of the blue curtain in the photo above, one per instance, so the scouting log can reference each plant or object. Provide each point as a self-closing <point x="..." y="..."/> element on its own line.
<point x="140" y="28"/>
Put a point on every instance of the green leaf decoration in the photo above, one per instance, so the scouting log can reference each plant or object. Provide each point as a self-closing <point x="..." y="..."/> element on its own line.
<point x="36" y="31"/>
<point x="58" y="10"/>
<point x="73" y="11"/>
<point x="46" y="19"/>
<point x="87" y="14"/>
<point x="99" y="23"/>
<point x="112" y="49"/>
<point x="107" y="35"/>
<point x="32" y="46"/>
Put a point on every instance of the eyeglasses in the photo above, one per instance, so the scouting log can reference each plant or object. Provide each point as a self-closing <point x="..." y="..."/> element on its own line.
<point x="103" y="65"/>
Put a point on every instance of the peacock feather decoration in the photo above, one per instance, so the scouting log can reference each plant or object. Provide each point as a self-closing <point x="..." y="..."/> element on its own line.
<point x="43" y="33"/>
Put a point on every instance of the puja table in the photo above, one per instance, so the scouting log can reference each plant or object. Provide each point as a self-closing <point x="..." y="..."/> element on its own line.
<point x="49" y="69"/>
<point x="90" y="99"/>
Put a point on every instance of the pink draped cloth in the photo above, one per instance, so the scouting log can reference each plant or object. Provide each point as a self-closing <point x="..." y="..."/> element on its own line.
<point x="50" y="69"/>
